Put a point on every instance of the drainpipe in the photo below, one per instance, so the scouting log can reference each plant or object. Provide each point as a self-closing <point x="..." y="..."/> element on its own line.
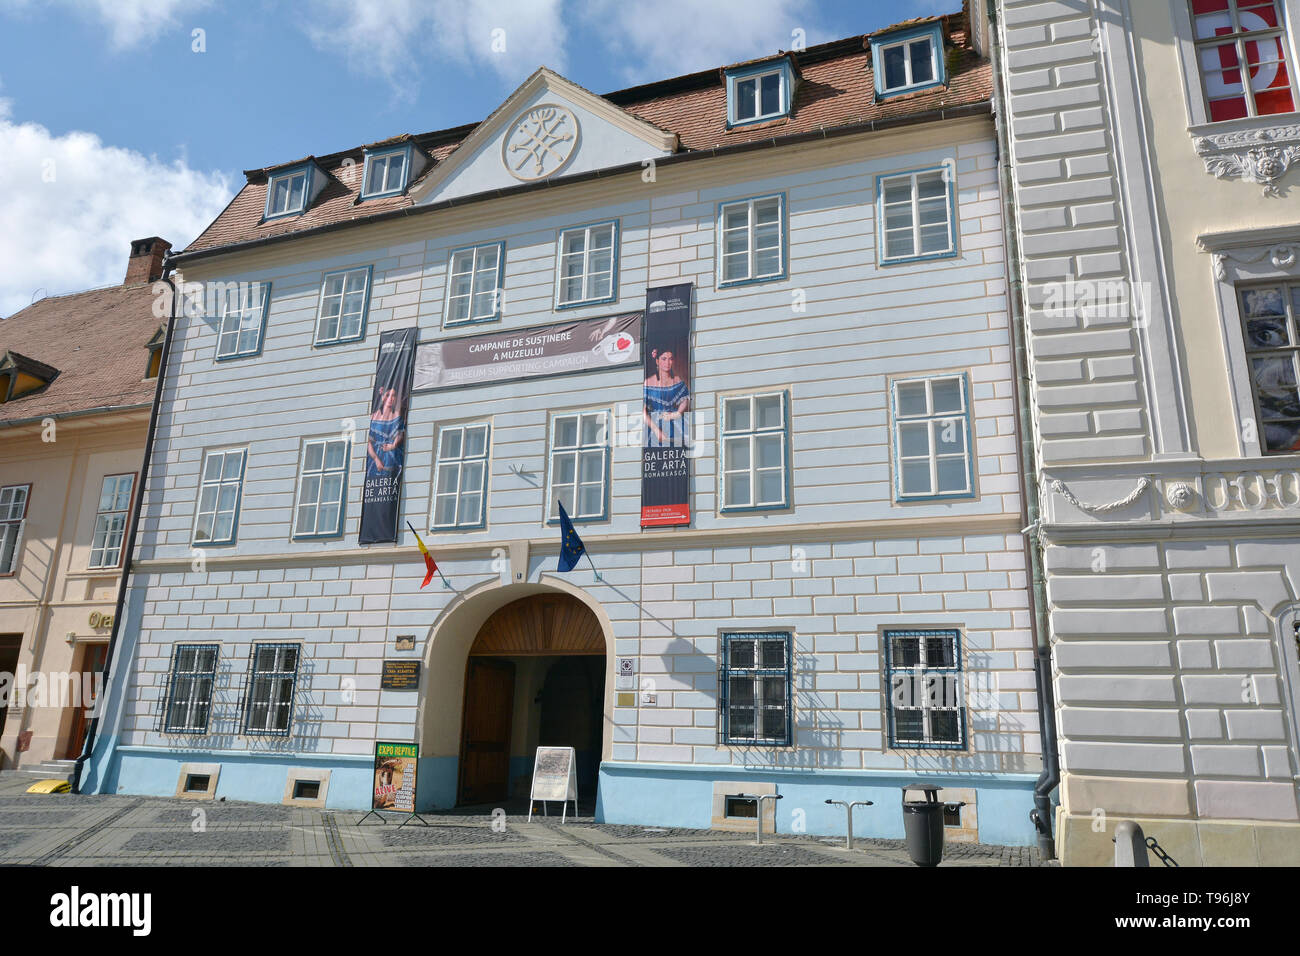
<point x="1047" y="781"/>
<point x="128" y="551"/>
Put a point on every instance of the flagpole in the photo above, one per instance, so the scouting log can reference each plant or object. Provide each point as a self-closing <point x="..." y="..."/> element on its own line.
<point x="587" y="555"/>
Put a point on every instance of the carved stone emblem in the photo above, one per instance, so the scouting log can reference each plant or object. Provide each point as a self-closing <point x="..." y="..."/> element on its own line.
<point x="540" y="142"/>
<point x="1260" y="156"/>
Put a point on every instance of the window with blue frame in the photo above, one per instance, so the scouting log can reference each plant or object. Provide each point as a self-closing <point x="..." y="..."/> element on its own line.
<point x="759" y="93"/>
<point x="924" y="674"/>
<point x="909" y="60"/>
<point x="189" y="694"/>
<point x="751" y="240"/>
<point x="916" y="215"/>
<point x="932" y="438"/>
<point x="755" y="451"/>
<point x="579" y="472"/>
<point x="287" y="192"/>
<point x="272" y="677"/>
<point x="459" y="491"/>
<point x="385" y="173"/>
<point x="220" y="483"/>
<point x="755" y="689"/>
<point x="344" y="298"/>
<point x="474" y="284"/>
<point x="588" y="272"/>
<point x="322" y="487"/>
<point x="243" y="307"/>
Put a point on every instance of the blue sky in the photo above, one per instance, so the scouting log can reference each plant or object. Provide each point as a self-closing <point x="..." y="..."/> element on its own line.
<point x="92" y="89"/>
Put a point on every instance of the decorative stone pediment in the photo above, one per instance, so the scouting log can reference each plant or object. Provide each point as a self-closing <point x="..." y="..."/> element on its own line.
<point x="1261" y="155"/>
<point x="1278" y="247"/>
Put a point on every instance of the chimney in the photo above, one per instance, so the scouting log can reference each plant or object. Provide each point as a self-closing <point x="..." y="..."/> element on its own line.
<point x="145" y="264"/>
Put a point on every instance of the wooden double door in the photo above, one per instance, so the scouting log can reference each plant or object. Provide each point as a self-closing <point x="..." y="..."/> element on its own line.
<point x="93" y="657"/>
<point x="485" y="746"/>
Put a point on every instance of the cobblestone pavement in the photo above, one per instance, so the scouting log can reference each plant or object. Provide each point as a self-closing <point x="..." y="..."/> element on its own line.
<point x="73" y="830"/>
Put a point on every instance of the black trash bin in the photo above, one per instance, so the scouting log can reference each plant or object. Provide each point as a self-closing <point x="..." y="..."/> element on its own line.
<point x="923" y="825"/>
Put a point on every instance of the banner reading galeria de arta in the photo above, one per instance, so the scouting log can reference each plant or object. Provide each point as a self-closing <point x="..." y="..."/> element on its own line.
<point x="665" y="450"/>
<point x="386" y="437"/>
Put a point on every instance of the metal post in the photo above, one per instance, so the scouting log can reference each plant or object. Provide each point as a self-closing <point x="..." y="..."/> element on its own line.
<point x="760" y="798"/>
<point x="849" y="807"/>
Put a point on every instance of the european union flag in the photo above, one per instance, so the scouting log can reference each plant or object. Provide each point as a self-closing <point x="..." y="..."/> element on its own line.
<point x="571" y="546"/>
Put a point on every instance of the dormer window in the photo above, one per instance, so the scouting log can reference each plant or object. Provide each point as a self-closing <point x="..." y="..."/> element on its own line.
<point x="759" y="93"/>
<point x="155" y="347"/>
<point x="904" y="61"/>
<point x="286" y="193"/>
<point x="385" y="173"/>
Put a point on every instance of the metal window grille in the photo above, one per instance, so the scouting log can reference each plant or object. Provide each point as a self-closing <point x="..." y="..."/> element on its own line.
<point x="188" y="697"/>
<point x="924" y="676"/>
<point x="272" y="678"/>
<point x="755" y="689"/>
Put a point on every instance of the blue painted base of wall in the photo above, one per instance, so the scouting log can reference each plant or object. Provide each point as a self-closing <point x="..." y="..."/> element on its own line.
<point x="661" y="795"/>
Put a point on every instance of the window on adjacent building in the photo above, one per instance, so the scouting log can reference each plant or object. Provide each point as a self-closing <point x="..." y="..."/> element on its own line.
<point x="110" y="521"/>
<point x="1270" y="315"/>
<point x="273" y="674"/>
<point x="755" y="459"/>
<point x="344" y="297"/>
<point x="474" y="284"/>
<point x="219" y="490"/>
<point x="579" y="465"/>
<point x="916" y="216"/>
<point x="322" y="484"/>
<point x="755" y="689"/>
<point x="909" y="60"/>
<point x="460" y="493"/>
<point x="243" y="309"/>
<point x="189" y="697"/>
<point x="923" y="672"/>
<point x="13" y="516"/>
<point x="1241" y="50"/>
<point x="932" y="437"/>
<point x="752" y="240"/>
<point x="758" y="95"/>
<point x="385" y="173"/>
<point x="286" y="193"/>
<point x="588" y="264"/>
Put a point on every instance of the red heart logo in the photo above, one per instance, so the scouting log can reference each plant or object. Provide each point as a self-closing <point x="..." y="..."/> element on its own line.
<point x="623" y="342"/>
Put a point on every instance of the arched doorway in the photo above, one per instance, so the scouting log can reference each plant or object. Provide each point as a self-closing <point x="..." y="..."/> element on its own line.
<point x="535" y="676"/>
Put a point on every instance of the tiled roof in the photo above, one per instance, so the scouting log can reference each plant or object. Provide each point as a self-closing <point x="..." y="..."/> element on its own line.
<point x="837" y="90"/>
<point x="97" y="342"/>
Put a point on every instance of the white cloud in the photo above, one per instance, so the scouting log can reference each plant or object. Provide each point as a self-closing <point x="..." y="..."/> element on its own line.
<point x="510" y="37"/>
<point x="673" y="37"/>
<point x="73" y="205"/>
<point x="131" y="23"/>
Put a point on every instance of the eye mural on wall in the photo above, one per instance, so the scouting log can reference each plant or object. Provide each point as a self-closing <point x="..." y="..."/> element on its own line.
<point x="540" y="142"/>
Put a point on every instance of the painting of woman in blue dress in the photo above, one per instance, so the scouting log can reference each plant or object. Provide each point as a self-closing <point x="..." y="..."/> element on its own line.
<point x="386" y="444"/>
<point x="667" y="401"/>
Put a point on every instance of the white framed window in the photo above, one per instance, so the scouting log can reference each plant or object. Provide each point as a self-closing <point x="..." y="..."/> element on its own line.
<point x="189" y="696"/>
<point x="474" y="283"/>
<point x="385" y="173"/>
<point x="286" y="193"/>
<point x="344" y="299"/>
<point x="755" y="689"/>
<point x="932" y="437"/>
<point x="908" y="61"/>
<point x="588" y="272"/>
<point x="272" y="677"/>
<point x="924" y="673"/>
<point x="757" y="96"/>
<point x="1242" y="57"/>
<point x="1270" y="320"/>
<point x="13" y="516"/>
<point x="755" y="451"/>
<point x="220" y="484"/>
<point x="243" y="308"/>
<point x="916" y="216"/>
<point x="110" y="521"/>
<point x="751" y="240"/>
<point x="460" y="482"/>
<point x="579" y="470"/>
<point x="322" y="486"/>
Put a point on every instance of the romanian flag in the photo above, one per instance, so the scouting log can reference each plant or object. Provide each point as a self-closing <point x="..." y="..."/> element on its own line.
<point x="430" y="568"/>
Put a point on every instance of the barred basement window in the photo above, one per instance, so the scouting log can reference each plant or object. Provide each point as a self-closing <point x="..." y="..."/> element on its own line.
<point x="588" y="264"/>
<point x="344" y="298"/>
<point x="110" y="521"/>
<point x="474" y="286"/>
<point x="189" y="699"/>
<point x="579" y="465"/>
<point x="219" y="490"/>
<point x="322" y="485"/>
<point x="923" y="672"/>
<point x="459" y="496"/>
<point x="13" y="515"/>
<point x="932" y="438"/>
<point x="755" y="689"/>
<point x="1270" y="317"/>
<point x="273" y="675"/>
<point x="1241" y="52"/>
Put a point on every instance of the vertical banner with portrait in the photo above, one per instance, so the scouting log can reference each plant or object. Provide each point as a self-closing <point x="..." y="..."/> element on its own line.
<point x="381" y="496"/>
<point x="395" y="769"/>
<point x="666" y="412"/>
